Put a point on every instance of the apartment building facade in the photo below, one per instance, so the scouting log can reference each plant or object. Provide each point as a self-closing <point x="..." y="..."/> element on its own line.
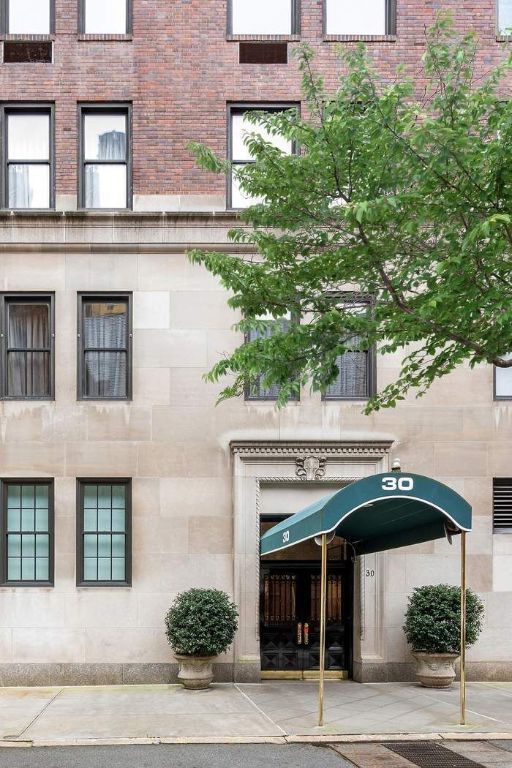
<point x="121" y="482"/>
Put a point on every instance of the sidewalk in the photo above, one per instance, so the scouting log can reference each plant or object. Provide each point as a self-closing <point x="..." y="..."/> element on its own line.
<point x="275" y="712"/>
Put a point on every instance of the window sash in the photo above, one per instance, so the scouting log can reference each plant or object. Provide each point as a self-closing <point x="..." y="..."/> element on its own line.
<point x="27" y="367"/>
<point x="39" y="13"/>
<point x="265" y="17"/>
<point x="255" y="390"/>
<point x="27" y="533"/>
<point x="118" y="195"/>
<point x="504" y="17"/>
<point x="101" y="565"/>
<point x="104" y="389"/>
<point x="29" y="183"/>
<point x="366" y="17"/>
<point x="121" y="27"/>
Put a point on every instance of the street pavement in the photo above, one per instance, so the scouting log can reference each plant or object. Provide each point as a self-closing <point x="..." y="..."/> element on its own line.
<point x="175" y="756"/>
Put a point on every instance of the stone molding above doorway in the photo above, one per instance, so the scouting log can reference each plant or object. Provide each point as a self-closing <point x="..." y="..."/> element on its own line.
<point x="296" y="464"/>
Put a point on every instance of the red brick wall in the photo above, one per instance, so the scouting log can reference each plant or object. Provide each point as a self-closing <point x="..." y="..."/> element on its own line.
<point x="179" y="71"/>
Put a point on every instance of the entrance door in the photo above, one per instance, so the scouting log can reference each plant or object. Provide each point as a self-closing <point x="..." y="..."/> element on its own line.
<point x="290" y="619"/>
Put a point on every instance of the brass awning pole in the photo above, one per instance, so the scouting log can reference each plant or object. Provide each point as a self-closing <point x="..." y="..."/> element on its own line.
<point x="463" y="627"/>
<point x="323" y="593"/>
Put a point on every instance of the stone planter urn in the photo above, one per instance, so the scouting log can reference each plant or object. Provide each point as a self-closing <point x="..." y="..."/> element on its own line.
<point x="435" y="670"/>
<point x="195" y="672"/>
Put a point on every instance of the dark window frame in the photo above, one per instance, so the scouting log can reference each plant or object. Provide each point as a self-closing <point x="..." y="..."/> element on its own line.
<point x="248" y="398"/>
<point x="496" y="397"/>
<point x="390" y="20"/>
<point x="27" y="108"/>
<point x="105" y="108"/>
<point x="4" y="21"/>
<point x="81" y="482"/>
<point x="497" y="481"/>
<point x="238" y="108"/>
<point x="102" y="296"/>
<point x="371" y="359"/>
<point x="27" y="297"/>
<point x="4" y="485"/>
<point x="295" y="7"/>
<point x="81" y="20"/>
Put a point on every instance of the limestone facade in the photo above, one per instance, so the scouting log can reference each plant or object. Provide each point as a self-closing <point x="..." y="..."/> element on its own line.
<point x="200" y="472"/>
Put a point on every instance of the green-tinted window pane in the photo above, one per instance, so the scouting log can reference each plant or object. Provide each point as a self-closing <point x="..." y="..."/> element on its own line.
<point x="27" y="496"/>
<point x="42" y="545"/>
<point x="41" y="519"/>
<point x="104" y="568"/>
<point x="28" y="545"/>
<point x="104" y="546"/>
<point x="90" y="545"/>
<point x="104" y="499"/>
<point x="13" y="519"/>
<point x="118" y="546"/>
<point x="42" y="569"/>
<point x="27" y="569"/>
<point x="41" y="497"/>
<point x="104" y="521"/>
<point x="13" y="569"/>
<point x="118" y="520"/>
<point x="14" y="496"/>
<point x="90" y="496"/>
<point x="90" y="519"/>
<point x="118" y="569"/>
<point x="90" y="569"/>
<point x="13" y="545"/>
<point x="118" y="497"/>
<point x="27" y="519"/>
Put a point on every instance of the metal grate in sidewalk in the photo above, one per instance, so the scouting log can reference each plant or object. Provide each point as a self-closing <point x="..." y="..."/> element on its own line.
<point x="429" y="755"/>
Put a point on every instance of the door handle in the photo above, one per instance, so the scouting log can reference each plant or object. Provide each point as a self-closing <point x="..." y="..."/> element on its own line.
<point x="299" y="633"/>
<point x="306" y="633"/>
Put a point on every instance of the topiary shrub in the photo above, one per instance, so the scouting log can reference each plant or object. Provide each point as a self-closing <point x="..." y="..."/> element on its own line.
<point x="201" y="622"/>
<point x="432" y="619"/>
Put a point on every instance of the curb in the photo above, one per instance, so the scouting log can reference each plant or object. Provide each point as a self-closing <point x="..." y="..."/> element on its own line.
<point x="355" y="738"/>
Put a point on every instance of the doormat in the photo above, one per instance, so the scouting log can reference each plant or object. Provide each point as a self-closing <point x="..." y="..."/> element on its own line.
<point x="428" y="755"/>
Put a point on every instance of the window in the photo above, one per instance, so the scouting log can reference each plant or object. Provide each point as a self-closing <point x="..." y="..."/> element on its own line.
<point x="265" y="17"/>
<point x="100" y="18"/>
<point x="28" y="156"/>
<point x="505" y="17"/>
<point x="105" y="153"/>
<point x="104" y="532"/>
<point x="255" y="389"/>
<point x="366" y="17"/>
<point x="240" y="156"/>
<point x="356" y="368"/>
<point x="503" y="381"/>
<point x="27" y="532"/>
<point x="502" y="505"/>
<point x="27" y="346"/>
<point x="28" y="17"/>
<point x="104" y="347"/>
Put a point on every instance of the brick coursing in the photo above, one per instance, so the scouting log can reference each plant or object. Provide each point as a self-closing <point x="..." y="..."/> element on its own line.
<point x="179" y="70"/>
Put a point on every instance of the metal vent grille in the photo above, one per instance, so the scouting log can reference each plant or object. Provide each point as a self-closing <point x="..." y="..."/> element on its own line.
<point x="263" y="53"/>
<point x="27" y="51"/>
<point x="502" y="504"/>
<point x="428" y="755"/>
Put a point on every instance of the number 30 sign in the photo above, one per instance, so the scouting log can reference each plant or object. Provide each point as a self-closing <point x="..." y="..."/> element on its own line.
<point x="397" y="483"/>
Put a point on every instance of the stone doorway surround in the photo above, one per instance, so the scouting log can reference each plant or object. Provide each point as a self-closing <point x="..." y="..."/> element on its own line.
<point x="301" y="464"/>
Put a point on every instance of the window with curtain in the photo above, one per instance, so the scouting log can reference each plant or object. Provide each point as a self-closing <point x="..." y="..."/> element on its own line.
<point x="355" y="379"/>
<point x="265" y="17"/>
<point x="365" y="17"/>
<point x="503" y="381"/>
<point x="28" y="157"/>
<point x="105" y="347"/>
<point x="105" y="158"/>
<point x="105" y="18"/>
<point x="27" y="346"/>
<point x="28" y="17"/>
<point x="104" y="532"/>
<point x="27" y="525"/>
<point x="505" y="17"/>
<point x="240" y="127"/>
<point x="255" y="389"/>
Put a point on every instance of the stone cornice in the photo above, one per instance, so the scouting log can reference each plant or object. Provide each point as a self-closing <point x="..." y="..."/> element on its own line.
<point x="293" y="448"/>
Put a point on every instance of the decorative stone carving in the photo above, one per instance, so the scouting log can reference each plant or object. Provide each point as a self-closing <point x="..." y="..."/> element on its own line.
<point x="310" y="467"/>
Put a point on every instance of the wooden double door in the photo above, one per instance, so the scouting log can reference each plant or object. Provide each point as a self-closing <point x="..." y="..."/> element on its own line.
<point x="290" y="619"/>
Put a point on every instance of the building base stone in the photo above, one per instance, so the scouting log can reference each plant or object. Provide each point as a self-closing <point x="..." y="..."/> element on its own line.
<point x="405" y="672"/>
<point x="100" y="674"/>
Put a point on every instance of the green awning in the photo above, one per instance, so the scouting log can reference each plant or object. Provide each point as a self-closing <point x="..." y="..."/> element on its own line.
<point x="377" y="513"/>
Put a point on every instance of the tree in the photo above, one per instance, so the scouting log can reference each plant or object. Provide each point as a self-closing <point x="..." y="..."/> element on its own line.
<point x="404" y="196"/>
